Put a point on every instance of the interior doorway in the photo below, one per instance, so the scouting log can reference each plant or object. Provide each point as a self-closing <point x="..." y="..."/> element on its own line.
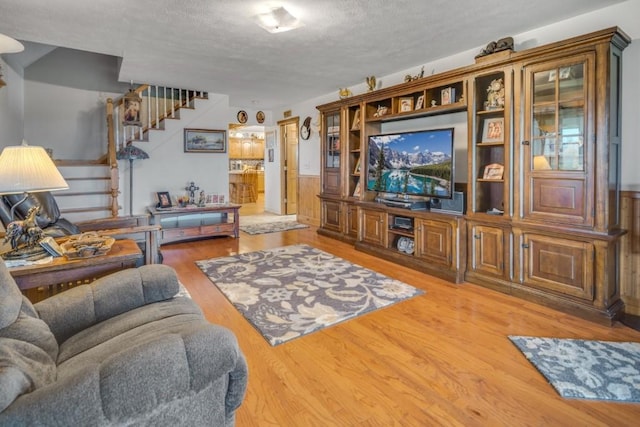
<point x="289" y="165"/>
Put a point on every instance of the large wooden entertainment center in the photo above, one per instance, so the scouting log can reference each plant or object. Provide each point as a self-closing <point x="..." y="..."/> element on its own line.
<point x="548" y="228"/>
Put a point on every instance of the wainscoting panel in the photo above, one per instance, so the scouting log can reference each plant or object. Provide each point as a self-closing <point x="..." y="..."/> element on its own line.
<point x="308" y="202"/>
<point x="630" y="252"/>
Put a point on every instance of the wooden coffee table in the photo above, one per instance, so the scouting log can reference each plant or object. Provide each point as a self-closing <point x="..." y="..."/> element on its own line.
<point x="62" y="273"/>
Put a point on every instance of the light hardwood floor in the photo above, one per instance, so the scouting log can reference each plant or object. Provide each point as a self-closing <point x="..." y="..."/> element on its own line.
<point x="443" y="358"/>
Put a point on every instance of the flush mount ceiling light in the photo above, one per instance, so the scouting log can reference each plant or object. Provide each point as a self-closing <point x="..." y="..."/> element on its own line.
<point x="278" y="20"/>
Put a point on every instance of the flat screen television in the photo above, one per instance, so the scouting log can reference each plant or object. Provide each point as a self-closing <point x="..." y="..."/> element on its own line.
<point x="418" y="163"/>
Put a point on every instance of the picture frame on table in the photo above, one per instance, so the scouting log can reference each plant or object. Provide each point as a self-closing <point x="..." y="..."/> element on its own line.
<point x="494" y="171"/>
<point x="164" y="200"/>
<point x="205" y="141"/>
<point x="493" y="130"/>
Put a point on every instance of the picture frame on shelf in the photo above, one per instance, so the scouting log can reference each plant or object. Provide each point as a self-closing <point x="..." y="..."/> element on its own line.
<point x="447" y="96"/>
<point x="493" y="171"/>
<point x="420" y="102"/>
<point x="493" y="130"/>
<point x="205" y="141"/>
<point x="164" y="200"/>
<point x="405" y="104"/>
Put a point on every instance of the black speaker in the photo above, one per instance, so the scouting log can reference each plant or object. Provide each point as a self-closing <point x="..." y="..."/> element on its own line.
<point x="455" y="205"/>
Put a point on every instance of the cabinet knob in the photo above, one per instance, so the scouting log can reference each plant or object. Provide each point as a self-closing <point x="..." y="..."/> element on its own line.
<point x="525" y="245"/>
<point x="476" y="236"/>
<point x="525" y="142"/>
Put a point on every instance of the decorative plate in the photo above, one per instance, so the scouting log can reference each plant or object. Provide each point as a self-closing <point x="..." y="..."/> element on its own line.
<point x="242" y="116"/>
<point x="260" y="117"/>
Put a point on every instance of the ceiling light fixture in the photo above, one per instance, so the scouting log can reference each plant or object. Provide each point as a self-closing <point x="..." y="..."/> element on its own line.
<point x="278" y="20"/>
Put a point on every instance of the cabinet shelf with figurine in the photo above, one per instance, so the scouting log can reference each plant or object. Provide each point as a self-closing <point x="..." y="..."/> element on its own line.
<point x="489" y="146"/>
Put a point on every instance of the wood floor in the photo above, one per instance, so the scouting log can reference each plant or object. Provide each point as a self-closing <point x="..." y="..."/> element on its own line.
<point x="440" y="359"/>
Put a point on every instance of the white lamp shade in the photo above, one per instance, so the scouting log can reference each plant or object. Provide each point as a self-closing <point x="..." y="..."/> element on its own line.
<point x="28" y="169"/>
<point x="9" y="45"/>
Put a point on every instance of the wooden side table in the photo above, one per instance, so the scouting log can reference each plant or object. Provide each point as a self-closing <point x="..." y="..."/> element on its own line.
<point x="62" y="273"/>
<point x="190" y="223"/>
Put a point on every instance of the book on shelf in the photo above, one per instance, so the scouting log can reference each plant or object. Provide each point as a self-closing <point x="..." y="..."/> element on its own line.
<point x="357" y="191"/>
<point x="356" y="120"/>
<point x="356" y="169"/>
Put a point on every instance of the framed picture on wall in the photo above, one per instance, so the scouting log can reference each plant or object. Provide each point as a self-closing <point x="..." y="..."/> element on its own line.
<point x="205" y="141"/>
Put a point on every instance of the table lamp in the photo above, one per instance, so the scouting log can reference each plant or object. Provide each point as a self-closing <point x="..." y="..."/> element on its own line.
<point x="27" y="169"/>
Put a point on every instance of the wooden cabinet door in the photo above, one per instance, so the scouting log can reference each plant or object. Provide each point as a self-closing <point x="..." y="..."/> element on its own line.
<point x="434" y="241"/>
<point x="487" y="249"/>
<point x="235" y="148"/>
<point x="556" y="264"/>
<point x="373" y="227"/>
<point x="331" y="215"/>
<point x="352" y="220"/>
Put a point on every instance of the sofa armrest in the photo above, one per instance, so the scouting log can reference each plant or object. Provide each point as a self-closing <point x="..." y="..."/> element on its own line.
<point x="173" y="380"/>
<point x="78" y="308"/>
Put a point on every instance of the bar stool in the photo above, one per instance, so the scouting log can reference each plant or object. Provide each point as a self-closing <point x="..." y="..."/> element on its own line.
<point x="247" y="189"/>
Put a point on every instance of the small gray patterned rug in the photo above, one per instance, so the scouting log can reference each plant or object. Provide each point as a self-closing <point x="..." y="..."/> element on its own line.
<point x="292" y="291"/>
<point x="271" y="227"/>
<point x="580" y="369"/>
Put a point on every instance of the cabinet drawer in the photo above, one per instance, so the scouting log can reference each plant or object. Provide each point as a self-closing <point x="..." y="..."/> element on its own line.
<point x="216" y="228"/>
<point x="180" y="233"/>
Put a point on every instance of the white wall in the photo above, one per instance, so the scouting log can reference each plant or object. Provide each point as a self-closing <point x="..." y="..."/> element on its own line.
<point x="169" y="168"/>
<point x="11" y="106"/>
<point x="624" y="15"/>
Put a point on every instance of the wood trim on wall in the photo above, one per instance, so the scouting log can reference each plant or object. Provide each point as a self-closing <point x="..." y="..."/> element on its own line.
<point x="630" y="252"/>
<point x="308" y="201"/>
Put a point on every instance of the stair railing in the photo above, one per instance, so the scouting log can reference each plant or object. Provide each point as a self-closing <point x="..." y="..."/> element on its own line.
<point x="158" y="104"/>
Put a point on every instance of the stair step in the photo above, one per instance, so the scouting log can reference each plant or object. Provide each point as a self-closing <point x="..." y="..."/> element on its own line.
<point x="83" y="193"/>
<point x="88" y="178"/>
<point x="68" y="162"/>
<point x="88" y="209"/>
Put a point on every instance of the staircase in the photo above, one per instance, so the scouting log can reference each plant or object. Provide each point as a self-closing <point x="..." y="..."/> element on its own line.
<point x="94" y="185"/>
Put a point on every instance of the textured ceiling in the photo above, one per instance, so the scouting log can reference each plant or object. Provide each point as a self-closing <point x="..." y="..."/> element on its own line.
<point x="214" y="45"/>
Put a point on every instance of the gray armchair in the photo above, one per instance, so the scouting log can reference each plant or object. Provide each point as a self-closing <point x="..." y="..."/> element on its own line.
<point x="124" y="350"/>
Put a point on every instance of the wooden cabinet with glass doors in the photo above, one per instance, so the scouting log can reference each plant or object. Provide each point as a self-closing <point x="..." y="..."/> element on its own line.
<point x="542" y="217"/>
<point x="567" y="225"/>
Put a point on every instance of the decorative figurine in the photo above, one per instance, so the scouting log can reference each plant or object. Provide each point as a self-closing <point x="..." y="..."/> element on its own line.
<point x="192" y="188"/>
<point x="495" y="95"/>
<point x="371" y="82"/>
<point x="505" y="43"/>
<point x="434" y="103"/>
<point x="409" y="77"/>
<point x="344" y="93"/>
<point x="382" y="110"/>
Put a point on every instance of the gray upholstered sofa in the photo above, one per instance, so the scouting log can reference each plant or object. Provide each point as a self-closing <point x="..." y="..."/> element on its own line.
<point x="121" y="351"/>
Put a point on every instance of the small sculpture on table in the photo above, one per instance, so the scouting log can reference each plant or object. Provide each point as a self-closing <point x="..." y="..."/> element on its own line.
<point x="202" y="199"/>
<point x="192" y="188"/>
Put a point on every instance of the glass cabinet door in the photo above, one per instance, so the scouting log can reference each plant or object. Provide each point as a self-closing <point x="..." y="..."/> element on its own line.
<point x="558" y="119"/>
<point x="555" y="145"/>
<point x="332" y="143"/>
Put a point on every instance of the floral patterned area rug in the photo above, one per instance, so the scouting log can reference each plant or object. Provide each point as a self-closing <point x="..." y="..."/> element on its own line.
<point x="580" y="369"/>
<point x="294" y="290"/>
<point x="271" y="227"/>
